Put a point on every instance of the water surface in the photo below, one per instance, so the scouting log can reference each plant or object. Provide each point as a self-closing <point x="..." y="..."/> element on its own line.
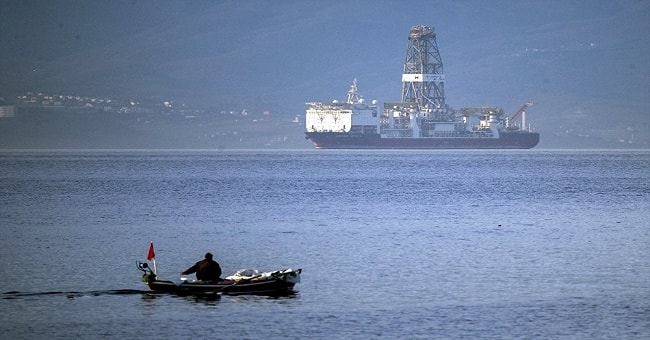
<point x="394" y="244"/>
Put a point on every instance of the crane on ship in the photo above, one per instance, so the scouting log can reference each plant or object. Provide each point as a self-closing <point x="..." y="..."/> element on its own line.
<point x="521" y="112"/>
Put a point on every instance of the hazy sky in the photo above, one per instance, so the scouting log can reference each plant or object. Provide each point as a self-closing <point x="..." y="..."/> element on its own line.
<point x="584" y="63"/>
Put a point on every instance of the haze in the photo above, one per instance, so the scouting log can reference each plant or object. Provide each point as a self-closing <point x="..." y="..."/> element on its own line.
<point x="586" y="65"/>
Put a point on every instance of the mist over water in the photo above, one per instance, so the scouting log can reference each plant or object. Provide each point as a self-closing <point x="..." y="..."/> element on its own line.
<point x="272" y="57"/>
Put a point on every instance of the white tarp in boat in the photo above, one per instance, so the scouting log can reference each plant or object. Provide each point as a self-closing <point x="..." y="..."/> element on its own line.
<point x="288" y="275"/>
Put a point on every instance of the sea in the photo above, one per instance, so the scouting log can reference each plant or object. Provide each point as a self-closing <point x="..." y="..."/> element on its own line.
<point x="549" y="244"/>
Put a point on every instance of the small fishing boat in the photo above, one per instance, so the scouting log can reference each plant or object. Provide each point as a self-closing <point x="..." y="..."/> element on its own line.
<point x="246" y="281"/>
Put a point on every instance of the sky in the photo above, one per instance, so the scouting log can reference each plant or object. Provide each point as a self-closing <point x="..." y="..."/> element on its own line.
<point x="585" y="64"/>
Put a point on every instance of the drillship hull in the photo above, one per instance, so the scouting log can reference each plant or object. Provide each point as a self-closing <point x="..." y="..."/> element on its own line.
<point x="342" y="140"/>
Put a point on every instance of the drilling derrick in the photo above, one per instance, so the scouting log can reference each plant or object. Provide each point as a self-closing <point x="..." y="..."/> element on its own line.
<point x="423" y="81"/>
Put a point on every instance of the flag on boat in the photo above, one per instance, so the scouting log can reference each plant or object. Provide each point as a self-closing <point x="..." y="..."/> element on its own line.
<point x="151" y="255"/>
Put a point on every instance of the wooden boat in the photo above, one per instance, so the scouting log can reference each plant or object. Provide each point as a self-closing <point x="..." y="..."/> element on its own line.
<point x="279" y="282"/>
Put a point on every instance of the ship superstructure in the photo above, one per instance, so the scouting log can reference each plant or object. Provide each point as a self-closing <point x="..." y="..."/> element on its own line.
<point x="339" y="116"/>
<point x="421" y="119"/>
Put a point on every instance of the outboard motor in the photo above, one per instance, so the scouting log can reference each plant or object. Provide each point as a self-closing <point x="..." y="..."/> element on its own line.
<point x="148" y="275"/>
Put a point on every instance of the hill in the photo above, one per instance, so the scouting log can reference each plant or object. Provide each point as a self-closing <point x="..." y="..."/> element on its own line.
<point x="585" y="65"/>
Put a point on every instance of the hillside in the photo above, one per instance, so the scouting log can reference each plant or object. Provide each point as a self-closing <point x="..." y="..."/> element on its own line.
<point x="56" y="128"/>
<point x="585" y="66"/>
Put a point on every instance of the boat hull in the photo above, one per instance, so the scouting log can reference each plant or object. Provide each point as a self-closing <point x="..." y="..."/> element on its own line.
<point x="279" y="283"/>
<point x="268" y="287"/>
<point x="340" y="140"/>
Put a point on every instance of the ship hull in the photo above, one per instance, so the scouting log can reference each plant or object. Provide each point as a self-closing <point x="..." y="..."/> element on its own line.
<point x="338" y="140"/>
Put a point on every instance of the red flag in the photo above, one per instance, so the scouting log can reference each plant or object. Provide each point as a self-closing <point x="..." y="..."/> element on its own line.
<point x="151" y="255"/>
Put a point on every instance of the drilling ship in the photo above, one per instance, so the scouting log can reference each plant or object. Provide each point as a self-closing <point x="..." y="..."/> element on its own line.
<point x="422" y="119"/>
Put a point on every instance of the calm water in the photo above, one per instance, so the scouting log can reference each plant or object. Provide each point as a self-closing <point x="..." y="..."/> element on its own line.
<point x="440" y="244"/>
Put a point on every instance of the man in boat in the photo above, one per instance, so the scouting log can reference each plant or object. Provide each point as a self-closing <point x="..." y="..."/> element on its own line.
<point x="206" y="269"/>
